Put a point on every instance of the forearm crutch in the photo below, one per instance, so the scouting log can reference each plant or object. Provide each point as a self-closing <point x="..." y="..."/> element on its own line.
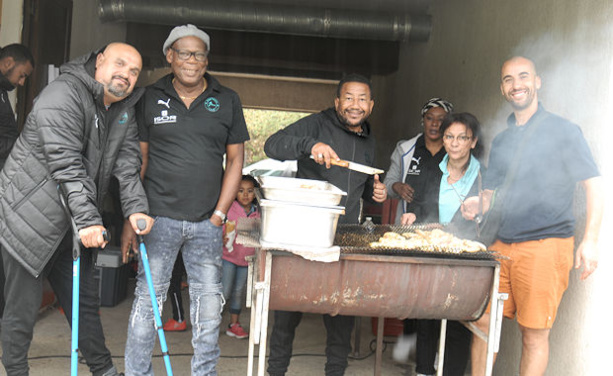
<point x="76" y="280"/>
<point x="76" y="277"/>
<point x="142" y="224"/>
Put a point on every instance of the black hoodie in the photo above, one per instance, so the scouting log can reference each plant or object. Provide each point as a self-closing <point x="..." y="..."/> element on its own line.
<point x="296" y="141"/>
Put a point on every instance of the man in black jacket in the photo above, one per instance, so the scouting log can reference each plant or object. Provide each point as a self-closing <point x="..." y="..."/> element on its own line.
<point x="16" y="64"/>
<point x="341" y="132"/>
<point x="81" y="131"/>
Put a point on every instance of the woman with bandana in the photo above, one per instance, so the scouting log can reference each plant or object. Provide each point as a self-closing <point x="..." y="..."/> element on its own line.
<point x="414" y="160"/>
<point x="414" y="168"/>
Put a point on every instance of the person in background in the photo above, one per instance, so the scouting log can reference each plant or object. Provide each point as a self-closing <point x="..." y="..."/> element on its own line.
<point x="458" y="177"/>
<point x="414" y="167"/>
<point x="537" y="230"/>
<point x="16" y="65"/>
<point x="338" y="132"/>
<point x="58" y="152"/>
<point x="187" y="122"/>
<point x="235" y="267"/>
<point x="413" y="159"/>
<point x="177" y="323"/>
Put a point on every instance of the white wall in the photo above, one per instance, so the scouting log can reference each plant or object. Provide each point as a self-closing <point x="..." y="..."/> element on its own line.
<point x="12" y="21"/>
<point x="572" y="44"/>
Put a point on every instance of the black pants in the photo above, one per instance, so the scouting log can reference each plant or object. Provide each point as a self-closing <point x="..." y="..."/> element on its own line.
<point x="338" y="342"/>
<point x="23" y="294"/>
<point x="174" y="290"/>
<point x="457" y="347"/>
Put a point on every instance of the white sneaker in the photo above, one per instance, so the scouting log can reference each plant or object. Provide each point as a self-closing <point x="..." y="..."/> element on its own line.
<point x="405" y="344"/>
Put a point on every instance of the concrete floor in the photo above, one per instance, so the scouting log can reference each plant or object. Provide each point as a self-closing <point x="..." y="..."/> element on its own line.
<point x="50" y="350"/>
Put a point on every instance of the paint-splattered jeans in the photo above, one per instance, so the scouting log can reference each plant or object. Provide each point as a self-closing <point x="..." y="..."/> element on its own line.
<point x="201" y="245"/>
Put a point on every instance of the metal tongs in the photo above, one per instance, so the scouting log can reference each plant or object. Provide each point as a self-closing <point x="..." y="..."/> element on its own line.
<point x="479" y="216"/>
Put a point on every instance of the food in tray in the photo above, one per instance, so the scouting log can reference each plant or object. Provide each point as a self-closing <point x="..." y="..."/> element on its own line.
<point x="427" y="240"/>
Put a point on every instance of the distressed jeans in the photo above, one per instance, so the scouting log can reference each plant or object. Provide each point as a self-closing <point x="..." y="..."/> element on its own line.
<point x="234" y="281"/>
<point x="201" y="247"/>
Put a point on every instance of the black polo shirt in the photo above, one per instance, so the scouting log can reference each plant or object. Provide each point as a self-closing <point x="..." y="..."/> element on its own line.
<point x="539" y="203"/>
<point x="186" y="146"/>
<point x="424" y="175"/>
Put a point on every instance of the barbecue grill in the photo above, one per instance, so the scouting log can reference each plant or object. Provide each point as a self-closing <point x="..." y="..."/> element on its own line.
<point x="429" y="283"/>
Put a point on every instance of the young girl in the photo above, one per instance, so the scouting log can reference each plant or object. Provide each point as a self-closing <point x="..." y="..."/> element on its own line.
<point x="234" y="277"/>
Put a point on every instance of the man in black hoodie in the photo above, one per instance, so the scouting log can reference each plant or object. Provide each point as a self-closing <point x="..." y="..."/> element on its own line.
<point x="80" y="132"/>
<point x="340" y="132"/>
<point x="16" y="64"/>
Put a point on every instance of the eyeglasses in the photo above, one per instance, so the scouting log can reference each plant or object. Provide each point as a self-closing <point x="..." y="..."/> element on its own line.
<point x="461" y="139"/>
<point x="186" y="55"/>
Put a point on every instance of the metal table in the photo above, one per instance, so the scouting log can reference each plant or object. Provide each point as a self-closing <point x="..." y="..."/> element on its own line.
<point x="374" y="286"/>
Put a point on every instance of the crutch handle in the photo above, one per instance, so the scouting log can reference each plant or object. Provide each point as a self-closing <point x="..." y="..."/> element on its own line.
<point x="141" y="224"/>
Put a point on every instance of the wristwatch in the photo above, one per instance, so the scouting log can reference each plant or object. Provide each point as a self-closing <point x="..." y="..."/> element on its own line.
<point x="221" y="215"/>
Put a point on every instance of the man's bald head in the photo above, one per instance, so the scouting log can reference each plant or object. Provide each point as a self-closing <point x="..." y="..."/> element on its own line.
<point x="117" y="68"/>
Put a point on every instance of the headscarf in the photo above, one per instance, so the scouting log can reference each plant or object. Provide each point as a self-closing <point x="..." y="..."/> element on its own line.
<point x="436" y="102"/>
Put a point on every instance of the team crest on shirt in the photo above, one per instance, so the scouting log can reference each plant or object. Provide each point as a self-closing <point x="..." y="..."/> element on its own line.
<point x="211" y="104"/>
<point x="124" y="118"/>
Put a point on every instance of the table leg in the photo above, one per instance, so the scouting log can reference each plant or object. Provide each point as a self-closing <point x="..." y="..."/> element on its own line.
<point x="495" y="307"/>
<point x="251" y="298"/>
<point x="441" y="348"/>
<point x="264" y="320"/>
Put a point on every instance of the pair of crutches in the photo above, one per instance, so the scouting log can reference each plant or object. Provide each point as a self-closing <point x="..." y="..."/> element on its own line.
<point x="76" y="274"/>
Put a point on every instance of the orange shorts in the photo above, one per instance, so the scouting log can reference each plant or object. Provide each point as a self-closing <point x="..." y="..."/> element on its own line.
<point x="535" y="277"/>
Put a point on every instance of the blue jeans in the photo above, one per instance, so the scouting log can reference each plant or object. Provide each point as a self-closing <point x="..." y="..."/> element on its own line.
<point x="234" y="281"/>
<point x="201" y="247"/>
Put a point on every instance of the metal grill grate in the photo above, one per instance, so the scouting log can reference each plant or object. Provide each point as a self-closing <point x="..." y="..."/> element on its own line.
<point x="355" y="239"/>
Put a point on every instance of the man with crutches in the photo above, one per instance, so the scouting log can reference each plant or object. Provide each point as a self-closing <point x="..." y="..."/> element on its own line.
<point x="80" y="132"/>
<point x="187" y="122"/>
